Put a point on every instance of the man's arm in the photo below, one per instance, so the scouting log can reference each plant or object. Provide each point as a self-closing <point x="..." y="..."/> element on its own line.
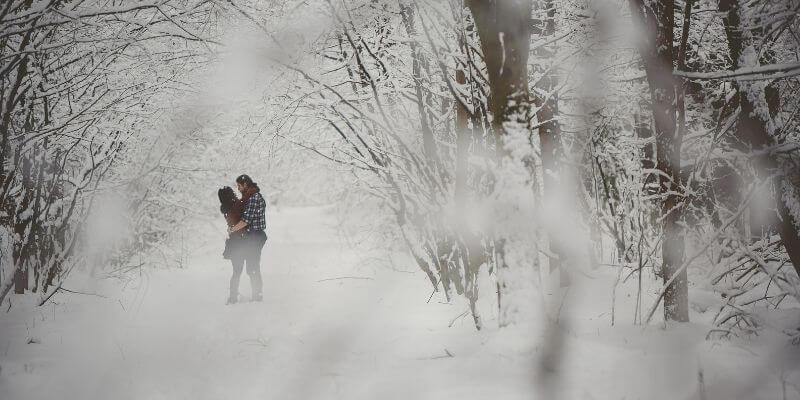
<point x="249" y="212"/>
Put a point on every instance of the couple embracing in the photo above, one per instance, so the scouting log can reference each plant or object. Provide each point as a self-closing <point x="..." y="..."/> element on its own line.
<point x="246" y="218"/>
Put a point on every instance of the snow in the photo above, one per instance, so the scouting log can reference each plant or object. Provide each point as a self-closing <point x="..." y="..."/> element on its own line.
<point x="791" y="198"/>
<point x="335" y="327"/>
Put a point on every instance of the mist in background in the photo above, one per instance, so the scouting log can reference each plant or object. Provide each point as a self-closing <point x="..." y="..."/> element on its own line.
<point x="465" y="199"/>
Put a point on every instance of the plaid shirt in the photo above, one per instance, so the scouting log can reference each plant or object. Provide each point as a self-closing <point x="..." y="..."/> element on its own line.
<point x="255" y="213"/>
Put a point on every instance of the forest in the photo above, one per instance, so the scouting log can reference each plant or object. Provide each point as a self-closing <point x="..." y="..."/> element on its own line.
<point x="528" y="171"/>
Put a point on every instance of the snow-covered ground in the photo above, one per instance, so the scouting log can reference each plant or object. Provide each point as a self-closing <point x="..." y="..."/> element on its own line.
<point x="335" y="326"/>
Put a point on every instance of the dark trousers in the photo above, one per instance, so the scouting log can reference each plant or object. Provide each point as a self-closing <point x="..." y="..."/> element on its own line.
<point x="248" y="252"/>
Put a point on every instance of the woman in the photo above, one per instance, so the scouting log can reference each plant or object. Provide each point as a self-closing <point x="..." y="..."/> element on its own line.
<point x="231" y="207"/>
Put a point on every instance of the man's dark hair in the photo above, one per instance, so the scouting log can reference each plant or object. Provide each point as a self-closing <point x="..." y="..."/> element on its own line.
<point x="226" y="198"/>
<point x="246" y="180"/>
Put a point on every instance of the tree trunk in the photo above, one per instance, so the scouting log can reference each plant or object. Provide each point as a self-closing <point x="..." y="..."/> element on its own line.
<point x="463" y="139"/>
<point x="546" y="99"/>
<point x="504" y="28"/>
<point x="658" y="21"/>
<point x="753" y="132"/>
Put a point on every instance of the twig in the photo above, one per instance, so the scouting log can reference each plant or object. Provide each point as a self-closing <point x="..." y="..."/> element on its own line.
<point x="41" y="303"/>
<point x="762" y="72"/>
<point x="432" y="293"/>
<point x="447" y="353"/>
<point x="88" y="294"/>
<point x="453" y="321"/>
<point x="345" y="277"/>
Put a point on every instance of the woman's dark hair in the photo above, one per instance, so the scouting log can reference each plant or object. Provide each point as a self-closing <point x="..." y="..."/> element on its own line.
<point x="226" y="198"/>
<point x="246" y="180"/>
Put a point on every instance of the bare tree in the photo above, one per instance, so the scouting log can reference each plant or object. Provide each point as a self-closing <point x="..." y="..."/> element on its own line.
<point x="74" y="81"/>
<point x="758" y="122"/>
<point x="657" y="19"/>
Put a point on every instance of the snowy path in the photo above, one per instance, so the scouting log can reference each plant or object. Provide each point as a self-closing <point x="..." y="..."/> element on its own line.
<point x="172" y="337"/>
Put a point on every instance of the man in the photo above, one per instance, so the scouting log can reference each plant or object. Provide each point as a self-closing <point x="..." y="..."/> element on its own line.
<point x="254" y="225"/>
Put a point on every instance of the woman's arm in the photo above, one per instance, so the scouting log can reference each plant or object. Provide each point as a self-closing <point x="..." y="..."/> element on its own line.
<point x="240" y="225"/>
